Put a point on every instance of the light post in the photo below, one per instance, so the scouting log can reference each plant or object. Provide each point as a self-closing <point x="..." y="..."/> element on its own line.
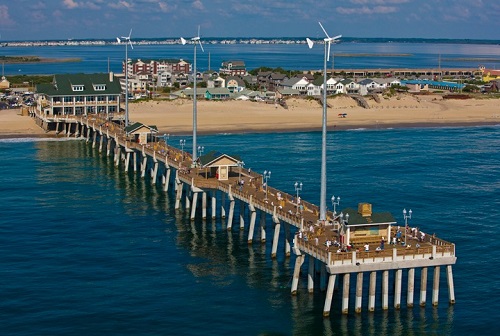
<point x="406" y="217"/>
<point x="327" y="41"/>
<point x="298" y="188"/>
<point x="201" y="149"/>
<point x="335" y="202"/>
<point x="266" y="176"/>
<point x="182" y="142"/>
<point x="240" y="164"/>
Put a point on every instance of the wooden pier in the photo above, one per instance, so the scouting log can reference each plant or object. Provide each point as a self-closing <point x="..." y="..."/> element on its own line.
<point x="363" y="243"/>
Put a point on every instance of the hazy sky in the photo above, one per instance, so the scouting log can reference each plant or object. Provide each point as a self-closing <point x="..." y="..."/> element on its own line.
<point x="63" y="19"/>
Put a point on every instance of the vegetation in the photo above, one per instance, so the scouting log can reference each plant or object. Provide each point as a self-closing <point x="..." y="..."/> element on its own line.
<point x="30" y="79"/>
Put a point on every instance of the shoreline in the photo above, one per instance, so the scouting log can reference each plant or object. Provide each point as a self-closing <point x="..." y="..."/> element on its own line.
<point x="301" y="115"/>
<point x="345" y="128"/>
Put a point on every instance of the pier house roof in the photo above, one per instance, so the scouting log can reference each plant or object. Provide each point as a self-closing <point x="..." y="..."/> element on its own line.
<point x="138" y="127"/>
<point x="375" y="218"/>
<point x="216" y="158"/>
<point x="81" y="84"/>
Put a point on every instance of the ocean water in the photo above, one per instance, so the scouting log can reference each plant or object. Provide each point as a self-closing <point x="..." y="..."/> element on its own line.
<point x="289" y="57"/>
<point x="87" y="249"/>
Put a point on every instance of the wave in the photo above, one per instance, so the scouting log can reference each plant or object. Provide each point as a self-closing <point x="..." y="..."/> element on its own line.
<point x="28" y="139"/>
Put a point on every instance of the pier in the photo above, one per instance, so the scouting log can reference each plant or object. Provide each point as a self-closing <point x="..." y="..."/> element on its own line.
<point x="383" y="259"/>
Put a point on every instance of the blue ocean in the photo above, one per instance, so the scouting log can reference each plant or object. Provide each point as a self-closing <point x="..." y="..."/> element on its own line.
<point x="88" y="249"/>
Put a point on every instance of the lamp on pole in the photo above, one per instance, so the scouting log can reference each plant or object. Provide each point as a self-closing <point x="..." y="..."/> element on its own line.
<point x="328" y="41"/>
<point x="266" y="176"/>
<point x="201" y="149"/>
<point x="298" y="188"/>
<point x="127" y="42"/>
<point x="182" y="142"/>
<point x="196" y="41"/>
<point x="335" y="202"/>
<point x="406" y="217"/>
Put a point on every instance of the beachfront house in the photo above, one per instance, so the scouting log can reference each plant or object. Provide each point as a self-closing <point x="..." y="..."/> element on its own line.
<point x="233" y="68"/>
<point x="79" y="94"/>
<point x="217" y="94"/>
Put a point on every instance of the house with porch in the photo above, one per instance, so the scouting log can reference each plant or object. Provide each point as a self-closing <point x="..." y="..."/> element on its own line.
<point x="79" y="94"/>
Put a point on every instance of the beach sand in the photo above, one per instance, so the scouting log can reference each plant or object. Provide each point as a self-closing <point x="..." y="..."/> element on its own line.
<point x="175" y="117"/>
<point x="14" y="125"/>
<point x="303" y="114"/>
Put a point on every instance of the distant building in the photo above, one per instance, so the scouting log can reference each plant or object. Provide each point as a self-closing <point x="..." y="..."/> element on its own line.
<point x="4" y="83"/>
<point x="79" y="94"/>
<point x="233" y="68"/>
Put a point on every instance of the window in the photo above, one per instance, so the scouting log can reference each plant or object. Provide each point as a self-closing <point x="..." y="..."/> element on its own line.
<point x="99" y="87"/>
<point x="77" y="87"/>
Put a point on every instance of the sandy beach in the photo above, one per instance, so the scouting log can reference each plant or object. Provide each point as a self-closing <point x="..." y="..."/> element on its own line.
<point x="175" y="117"/>
<point x="302" y="114"/>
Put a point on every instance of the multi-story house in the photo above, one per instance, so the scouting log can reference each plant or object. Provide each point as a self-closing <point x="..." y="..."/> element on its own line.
<point x="79" y="94"/>
<point x="233" y="68"/>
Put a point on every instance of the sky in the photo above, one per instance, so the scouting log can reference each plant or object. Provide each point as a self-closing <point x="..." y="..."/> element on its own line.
<point x="105" y="19"/>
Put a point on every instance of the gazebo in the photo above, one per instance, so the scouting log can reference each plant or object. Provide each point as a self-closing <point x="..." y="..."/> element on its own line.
<point x="218" y="164"/>
<point x="141" y="133"/>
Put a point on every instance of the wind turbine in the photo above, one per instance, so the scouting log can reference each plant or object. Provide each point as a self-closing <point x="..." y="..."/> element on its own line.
<point x="126" y="40"/>
<point x="328" y="41"/>
<point x="196" y="41"/>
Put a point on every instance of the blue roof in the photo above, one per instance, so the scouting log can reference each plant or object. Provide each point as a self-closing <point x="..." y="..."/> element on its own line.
<point x="433" y="83"/>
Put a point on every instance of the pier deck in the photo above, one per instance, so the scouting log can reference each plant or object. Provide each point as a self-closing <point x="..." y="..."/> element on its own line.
<point x="355" y="254"/>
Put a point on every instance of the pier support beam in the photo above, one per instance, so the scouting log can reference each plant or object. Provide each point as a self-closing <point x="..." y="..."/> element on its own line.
<point x="411" y="287"/>
<point x="118" y="152"/>
<point x="276" y="237"/>
<point x="222" y="204"/>
<point x="359" y="293"/>
<point x="178" y="196"/>
<point x="242" y="215"/>
<point x="435" y="284"/>
<point x="135" y="161"/>
<point x="451" y="287"/>
<point x="166" y="183"/>
<point x="372" y="291"/>
<point x="329" y="295"/>
<point x="398" y="276"/>
<point x="193" y="207"/>
<point x="127" y="161"/>
<point x="423" y="287"/>
<point x="109" y="145"/>
<point x="154" y="172"/>
<point x="231" y="212"/>
<point x="144" y="164"/>
<point x="214" y="203"/>
<point x="296" y="273"/>
<point x="262" y="227"/>
<point x="345" y="294"/>
<point x="310" y="275"/>
<point x="385" y="290"/>
<point x="204" y="205"/>
<point x="288" y="239"/>
<point x="101" y="144"/>
<point x="251" y="227"/>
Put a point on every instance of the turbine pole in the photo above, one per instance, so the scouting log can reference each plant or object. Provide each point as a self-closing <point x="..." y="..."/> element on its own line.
<point x="195" y="156"/>
<point x="322" y="202"/>
<point x="126" y="84"/>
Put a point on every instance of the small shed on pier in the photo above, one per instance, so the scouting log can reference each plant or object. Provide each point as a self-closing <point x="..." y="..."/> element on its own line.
<point x="364" y="226"/>
<point x="141" y="133"/>
<point x="218" y="164"/>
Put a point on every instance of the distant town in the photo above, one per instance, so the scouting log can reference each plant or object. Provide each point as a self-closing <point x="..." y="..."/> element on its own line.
<point x="233" y="40"/>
